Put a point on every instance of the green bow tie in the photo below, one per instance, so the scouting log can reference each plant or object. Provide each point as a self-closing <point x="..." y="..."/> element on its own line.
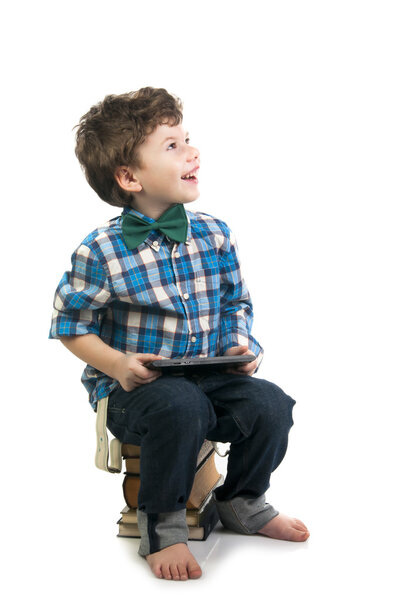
<point x="173" y="223"/>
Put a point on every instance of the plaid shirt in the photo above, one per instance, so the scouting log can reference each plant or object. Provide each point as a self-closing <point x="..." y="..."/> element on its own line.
<point x="172" y="299"/>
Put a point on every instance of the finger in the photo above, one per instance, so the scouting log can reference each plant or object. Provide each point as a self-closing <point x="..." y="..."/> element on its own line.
<point x="144" y="373"/>
<point x="236" y="350"/>
<point x="145" y="358"/>
<point x="146" y="381"/>
<point x="141" y="373"/>
<point x="250" y="367"/>
<point x="135" y="383"/>
<point x="243" y="370"/>
<point x="158" y="374"/>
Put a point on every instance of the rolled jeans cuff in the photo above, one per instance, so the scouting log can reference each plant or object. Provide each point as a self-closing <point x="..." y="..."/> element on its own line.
<point x="159" y="530"/>
<point x="245" y="515"/>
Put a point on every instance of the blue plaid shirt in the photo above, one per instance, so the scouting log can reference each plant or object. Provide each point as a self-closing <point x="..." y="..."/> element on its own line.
<point x="172" y="299"/>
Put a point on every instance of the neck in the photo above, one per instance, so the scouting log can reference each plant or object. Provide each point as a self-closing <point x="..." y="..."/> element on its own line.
<point x="151" y="209"/>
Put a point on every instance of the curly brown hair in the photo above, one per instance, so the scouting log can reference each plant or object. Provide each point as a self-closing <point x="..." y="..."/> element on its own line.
<point x="109" y="136"/>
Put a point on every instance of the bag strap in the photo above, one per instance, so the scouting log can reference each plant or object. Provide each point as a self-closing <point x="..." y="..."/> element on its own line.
<point x="215" y="446"/>
<point x="103" y="447"/>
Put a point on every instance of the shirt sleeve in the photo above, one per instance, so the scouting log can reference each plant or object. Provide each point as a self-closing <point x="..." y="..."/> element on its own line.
<point x="81" y="297"/>
<point x="236" y="305"/>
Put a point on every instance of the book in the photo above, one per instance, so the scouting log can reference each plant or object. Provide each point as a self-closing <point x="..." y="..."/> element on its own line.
<point x="132" y="466"/>
<point x="194" y="517"/>
<point x="132" y="453"/>
<point x="133" y="463"/>
<point x="206" y="478"/>
<point x="194" y="532"/>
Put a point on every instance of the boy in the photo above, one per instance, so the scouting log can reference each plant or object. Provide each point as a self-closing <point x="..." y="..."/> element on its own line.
<point x="157" y="282"/>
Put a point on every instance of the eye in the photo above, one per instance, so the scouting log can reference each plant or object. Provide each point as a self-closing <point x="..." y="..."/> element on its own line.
<point x="173" y="145"/>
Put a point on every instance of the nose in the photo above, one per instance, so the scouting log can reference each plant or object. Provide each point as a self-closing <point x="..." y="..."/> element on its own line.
<point x="193" y="153"/>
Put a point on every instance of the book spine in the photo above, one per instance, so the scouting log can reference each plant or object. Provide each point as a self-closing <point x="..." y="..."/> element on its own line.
<point x="209" y="526"/>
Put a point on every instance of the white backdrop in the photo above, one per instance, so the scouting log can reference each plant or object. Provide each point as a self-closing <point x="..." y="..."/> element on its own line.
<point x="293" y="106"/>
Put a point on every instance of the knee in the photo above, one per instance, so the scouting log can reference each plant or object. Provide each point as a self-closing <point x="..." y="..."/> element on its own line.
<point x="187" y="407"/>
<point x="273" y="407"/>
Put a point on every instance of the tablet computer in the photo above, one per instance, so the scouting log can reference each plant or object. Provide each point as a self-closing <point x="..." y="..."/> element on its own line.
<point x="200" y="365"/>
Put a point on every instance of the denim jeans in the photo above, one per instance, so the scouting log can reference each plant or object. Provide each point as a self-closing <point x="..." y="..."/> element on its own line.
<point x="170" y="418"/>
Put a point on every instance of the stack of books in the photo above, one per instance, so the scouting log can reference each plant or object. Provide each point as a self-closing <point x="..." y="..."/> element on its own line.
<point x="202" y="514"/>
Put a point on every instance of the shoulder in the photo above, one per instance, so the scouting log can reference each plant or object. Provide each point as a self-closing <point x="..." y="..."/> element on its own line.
<point x="214" y="230"/>
<point x="104" y="241"/>
<point x="110" y="230"/>
<point x="203" y="224"/>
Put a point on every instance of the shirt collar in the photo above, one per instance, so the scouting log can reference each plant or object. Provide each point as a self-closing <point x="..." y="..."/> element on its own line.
<point x="134" y="211"/>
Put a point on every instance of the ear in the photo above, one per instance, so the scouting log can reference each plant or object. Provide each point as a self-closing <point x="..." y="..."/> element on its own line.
<point x="127" y="180"/>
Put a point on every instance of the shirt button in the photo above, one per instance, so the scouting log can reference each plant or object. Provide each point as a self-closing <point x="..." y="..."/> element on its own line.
<point x="186" y="296"/>
<point x="193" y="339"/>
<point x="156" y="243"/>
<point x="177" y="255"/>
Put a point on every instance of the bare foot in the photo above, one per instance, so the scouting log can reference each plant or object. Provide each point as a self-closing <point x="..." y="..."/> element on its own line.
<point x="282" y="527"/>
<point x="174" y="562"/>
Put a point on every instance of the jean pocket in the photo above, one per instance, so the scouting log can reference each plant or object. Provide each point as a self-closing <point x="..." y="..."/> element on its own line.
<point x="116" y="409"/>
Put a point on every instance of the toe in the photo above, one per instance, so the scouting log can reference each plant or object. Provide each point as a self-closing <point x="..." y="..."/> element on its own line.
<point x="156" y="569"/>
<point x="194" y="570"/>
<point x="300" y="527"/>
<point x="183" y="572"/>
<point x="301" y="536"/>
<point x="174" y="572"/>
<point x="300" y="523"/>
<point x="166" y="572"/>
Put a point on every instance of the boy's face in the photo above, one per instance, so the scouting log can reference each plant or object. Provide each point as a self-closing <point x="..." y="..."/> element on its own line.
<point x="169" y="170"/>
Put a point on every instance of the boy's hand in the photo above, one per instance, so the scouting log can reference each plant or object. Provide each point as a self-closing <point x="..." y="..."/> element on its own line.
<point x="131" y="372"/>
<point x="248" y="368"/>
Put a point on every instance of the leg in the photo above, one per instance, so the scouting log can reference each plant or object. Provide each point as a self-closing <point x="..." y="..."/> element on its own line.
<point x="168" y="418"/>
<point x="255" y="416"/>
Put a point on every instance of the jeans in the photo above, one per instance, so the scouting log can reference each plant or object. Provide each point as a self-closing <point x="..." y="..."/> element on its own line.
<point x="170" y="418"/>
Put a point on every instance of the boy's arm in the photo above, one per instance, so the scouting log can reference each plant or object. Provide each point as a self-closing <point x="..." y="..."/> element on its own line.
<point x="82" y="297"/>
<point x="81" y="300"/>
<point x="128" y="369"/>
<point x="236" y="311"/>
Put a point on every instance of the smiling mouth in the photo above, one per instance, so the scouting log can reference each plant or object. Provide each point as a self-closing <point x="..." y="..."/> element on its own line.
<point x="191" y="177"/>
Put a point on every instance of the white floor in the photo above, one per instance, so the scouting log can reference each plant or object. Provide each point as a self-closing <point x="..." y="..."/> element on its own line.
<point x="61" y="530"/>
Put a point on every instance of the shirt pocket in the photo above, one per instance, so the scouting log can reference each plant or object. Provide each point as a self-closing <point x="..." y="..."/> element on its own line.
<point x="205" y="288"/>
<point x="199" y="284"/>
